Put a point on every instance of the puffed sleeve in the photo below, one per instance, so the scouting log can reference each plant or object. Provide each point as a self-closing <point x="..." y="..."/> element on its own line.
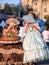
<point x="36" y="24"/>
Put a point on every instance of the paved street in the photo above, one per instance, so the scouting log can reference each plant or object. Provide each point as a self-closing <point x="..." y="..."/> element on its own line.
<point x="45" y="62"/>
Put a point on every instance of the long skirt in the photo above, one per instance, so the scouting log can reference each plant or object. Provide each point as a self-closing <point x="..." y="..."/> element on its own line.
<point x="35" y="48"/>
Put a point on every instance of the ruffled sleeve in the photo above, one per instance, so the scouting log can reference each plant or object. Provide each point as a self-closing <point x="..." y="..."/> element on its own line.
<point x="37" y="25"/>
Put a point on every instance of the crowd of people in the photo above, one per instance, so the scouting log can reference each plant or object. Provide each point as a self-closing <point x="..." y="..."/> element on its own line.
<point x="34" y="37"/>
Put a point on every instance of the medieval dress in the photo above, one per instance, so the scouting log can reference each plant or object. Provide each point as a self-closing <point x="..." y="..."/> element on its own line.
<point x="35" y="48"/>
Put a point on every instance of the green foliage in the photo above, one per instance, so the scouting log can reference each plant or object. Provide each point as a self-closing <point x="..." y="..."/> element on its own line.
<point x="13" y="9"/>
<point x="7" y="8"/>
<point x="16" y="10"/>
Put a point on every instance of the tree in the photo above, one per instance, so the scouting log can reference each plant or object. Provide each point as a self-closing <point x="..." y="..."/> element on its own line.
<point x="25" y="10"/>
<point x="13" y="10"/>
<point x="2" y="10"/>
<point x="7" y="8"/>
<point x="10" y="9"/>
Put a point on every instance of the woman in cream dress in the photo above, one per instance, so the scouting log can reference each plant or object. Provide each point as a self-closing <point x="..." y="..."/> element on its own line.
<point x="35" y="48"/>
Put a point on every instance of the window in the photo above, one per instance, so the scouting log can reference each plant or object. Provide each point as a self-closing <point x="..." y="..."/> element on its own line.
<point x="35" y="2"/>
<point x="35" y="9"/>
<point x="45" y="9"/>
<point x="45" y="2"/>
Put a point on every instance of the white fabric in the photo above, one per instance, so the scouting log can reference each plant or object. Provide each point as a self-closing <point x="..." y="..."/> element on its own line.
<point x="35" y="48"/>
<point x="45" y="35"/>
<point x="22" y="33"/>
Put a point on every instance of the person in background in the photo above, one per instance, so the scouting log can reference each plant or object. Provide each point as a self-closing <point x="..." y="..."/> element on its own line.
<point x="41" y="24"/>
<point x="2" y="23"/>
<point x="11" y="20"/>
<point x="45" y="34"/>
<point x="10" y="31"/>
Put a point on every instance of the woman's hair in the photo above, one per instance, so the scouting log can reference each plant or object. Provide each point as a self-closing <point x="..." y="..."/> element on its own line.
<point x="8" y="59"/>
<point x="7" y="25"/>
<point x="32" y="14"/>
<point x="46" y="27"/>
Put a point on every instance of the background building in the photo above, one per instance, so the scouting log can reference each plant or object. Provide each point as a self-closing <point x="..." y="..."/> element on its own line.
<point x="40" y="7"/>
<point x="2" y="6"/>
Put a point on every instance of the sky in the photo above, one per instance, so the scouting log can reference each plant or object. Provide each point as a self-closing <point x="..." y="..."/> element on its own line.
<point x="10" y="1"/>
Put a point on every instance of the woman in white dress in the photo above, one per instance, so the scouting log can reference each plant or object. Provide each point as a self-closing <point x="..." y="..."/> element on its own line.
<point x="35" y="48"/>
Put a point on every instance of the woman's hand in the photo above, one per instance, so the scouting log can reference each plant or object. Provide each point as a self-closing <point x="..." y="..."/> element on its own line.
<point x="34" y="26"/>
<point x="31" y="25"/>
